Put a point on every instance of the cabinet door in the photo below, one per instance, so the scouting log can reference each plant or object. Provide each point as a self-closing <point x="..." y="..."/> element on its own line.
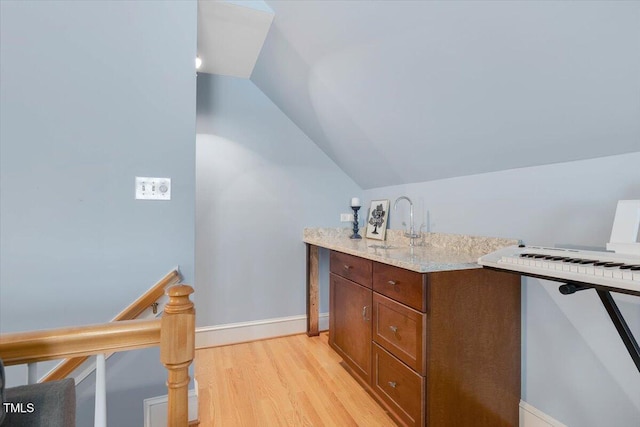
<point x="350" y="324"/>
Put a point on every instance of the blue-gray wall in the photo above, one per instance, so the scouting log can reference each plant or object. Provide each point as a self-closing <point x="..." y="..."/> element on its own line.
<point x="93" y="94"/>
<point x="260" y="181"/>
<point x="575" y="367"/>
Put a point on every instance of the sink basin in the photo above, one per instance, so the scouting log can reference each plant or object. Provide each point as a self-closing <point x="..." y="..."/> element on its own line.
<point x="382" y="246"/>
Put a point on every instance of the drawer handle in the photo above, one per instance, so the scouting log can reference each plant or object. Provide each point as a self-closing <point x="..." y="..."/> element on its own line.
<point x="392" y="282"/>
<point x="392" y="384"/>
<point x="347" y="267"/>
<point x="394" y="329"/>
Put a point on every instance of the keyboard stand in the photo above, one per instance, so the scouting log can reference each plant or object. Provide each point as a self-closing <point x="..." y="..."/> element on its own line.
<point x="573" y="280"/>
<point x="614" y="313"/>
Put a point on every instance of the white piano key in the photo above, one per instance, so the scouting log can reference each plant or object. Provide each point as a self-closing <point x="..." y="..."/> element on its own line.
<point x="570" y="272"/>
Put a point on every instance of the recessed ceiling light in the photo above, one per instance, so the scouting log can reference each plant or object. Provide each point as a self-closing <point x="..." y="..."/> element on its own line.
<point x="198" y="62"/>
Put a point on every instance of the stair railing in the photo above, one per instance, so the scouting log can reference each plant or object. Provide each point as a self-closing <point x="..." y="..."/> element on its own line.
<point x="133" y="311"/>
<point x="174" y="333"/>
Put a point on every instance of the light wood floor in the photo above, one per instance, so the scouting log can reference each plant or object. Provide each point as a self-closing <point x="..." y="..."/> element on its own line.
<point x="288" y="381"/>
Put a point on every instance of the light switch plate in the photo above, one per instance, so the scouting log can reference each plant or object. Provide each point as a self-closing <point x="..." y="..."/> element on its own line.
<point x="153" y="188"/>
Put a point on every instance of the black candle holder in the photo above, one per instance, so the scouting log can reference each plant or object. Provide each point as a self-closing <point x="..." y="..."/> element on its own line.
<point x="355" y="234"/>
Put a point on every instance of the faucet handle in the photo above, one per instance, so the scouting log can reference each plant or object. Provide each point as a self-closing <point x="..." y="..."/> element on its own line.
<point x="416" y="235"/>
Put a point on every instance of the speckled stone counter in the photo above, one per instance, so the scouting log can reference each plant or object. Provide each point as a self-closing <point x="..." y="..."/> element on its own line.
<point x="434" y="252"/>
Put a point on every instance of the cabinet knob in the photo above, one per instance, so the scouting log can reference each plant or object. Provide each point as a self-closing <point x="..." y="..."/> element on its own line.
<point x="394" y="329"/>
<point x="392" y="384"/>
<point x="347" y="267"/>
<point x="392" y="282"/>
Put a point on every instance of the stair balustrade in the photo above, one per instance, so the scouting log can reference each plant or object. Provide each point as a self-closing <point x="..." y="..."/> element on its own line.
<point x="174" y="333"/>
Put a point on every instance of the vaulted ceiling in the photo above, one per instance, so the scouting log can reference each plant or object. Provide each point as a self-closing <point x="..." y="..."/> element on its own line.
<point x="408" y="91"/>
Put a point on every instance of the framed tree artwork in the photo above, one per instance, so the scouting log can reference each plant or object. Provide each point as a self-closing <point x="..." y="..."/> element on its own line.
<point x="377" y="219"/>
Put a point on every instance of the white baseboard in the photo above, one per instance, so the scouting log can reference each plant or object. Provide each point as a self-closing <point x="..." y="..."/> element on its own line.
<point x="155" y="409"/>
<point x="533" y="417"/>
<point x="233" y="333"/>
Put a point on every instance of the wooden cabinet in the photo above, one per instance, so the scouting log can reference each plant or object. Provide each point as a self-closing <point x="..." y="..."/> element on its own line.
<point x="350" y="324"/>
<point x="435" y="349"/>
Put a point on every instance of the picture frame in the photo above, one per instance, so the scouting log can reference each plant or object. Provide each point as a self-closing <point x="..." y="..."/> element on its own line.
<point x="377" y="219"/>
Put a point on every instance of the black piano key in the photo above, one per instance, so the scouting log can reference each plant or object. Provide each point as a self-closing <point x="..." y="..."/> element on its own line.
<point x="613" y="264"/>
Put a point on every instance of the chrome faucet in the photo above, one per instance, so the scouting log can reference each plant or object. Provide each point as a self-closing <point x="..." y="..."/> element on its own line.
<point x="412" y="231"/>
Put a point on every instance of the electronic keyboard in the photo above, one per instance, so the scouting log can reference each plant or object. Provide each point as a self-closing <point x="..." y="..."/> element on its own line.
<point x="612" y="271"/>
<point x="605" y="272"/>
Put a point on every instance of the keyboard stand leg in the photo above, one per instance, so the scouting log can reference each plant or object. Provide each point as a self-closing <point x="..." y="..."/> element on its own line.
<point x="571" y="288"/>
<point x="621" y="325"/>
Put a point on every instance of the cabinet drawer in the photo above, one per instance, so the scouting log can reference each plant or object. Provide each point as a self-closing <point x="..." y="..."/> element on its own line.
<point x="400" y="330"/>
<point x="399" y="386"/>
<point x="408" y="287"/>
<point x="351" y="267"/>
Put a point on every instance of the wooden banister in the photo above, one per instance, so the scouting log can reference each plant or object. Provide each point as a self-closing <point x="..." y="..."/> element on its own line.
<point x="136" y="308"/>
<point x="39" y="346"/>
<point x="175" y="333"/>
<point x="64" y="369"/>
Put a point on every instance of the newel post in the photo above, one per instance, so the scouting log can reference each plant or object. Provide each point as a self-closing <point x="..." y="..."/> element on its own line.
<point x="177" y="350"/>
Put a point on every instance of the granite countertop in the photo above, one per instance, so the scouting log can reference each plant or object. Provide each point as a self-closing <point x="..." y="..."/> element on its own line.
<point x="434" y="252"/>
